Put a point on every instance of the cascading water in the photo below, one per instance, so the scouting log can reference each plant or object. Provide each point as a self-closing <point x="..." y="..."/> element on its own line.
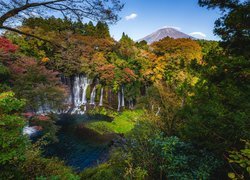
<point x="119" y="101"/>
<point x="79" y="93"/>
<point x="122" y="94"/>
<point x="77" y="99"/>
<point x="92" y="96"/>
<point x="76" y="91"/>
<point x="101" y="98"/>
<point x="44" y="108"/>
<point x="86" y="83"/>
<point x="29" y="130"/>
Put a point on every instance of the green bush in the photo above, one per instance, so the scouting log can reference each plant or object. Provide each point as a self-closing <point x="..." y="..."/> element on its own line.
<point x="166" y="157"/>
<point x="12" y="143"/>
<point x="38" y="167"/>
<point x="122" y="123"/>
<point x="101" y="172"/>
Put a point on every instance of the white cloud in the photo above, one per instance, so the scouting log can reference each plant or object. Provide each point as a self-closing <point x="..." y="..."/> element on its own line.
<point x="174" y="27"/>
<point x="131" y="16"/>
<point x="198" y="35"/>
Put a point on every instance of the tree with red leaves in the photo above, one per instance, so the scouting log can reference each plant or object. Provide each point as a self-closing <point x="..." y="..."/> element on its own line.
<point x="6" y="46"/>
<point x="107" y="74"/>
<point x="35" y="83"/>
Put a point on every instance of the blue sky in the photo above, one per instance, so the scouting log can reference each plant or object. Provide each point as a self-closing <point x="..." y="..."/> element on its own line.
<point x="142" y="17"/>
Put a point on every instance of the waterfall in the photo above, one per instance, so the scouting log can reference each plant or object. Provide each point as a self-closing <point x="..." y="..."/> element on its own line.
<point x="85" y="85"/>
<point x="79" y="93"/>
<point x="119" y="101"/>
<point x="29" y="131"/>
<point x="92" y="96"/>
<point x="76" y="91"/>
<point x="77" y="98"/>
<point x="43" y="108"/>
<point x="122" y="98"/>
<point x="101" y="97"/>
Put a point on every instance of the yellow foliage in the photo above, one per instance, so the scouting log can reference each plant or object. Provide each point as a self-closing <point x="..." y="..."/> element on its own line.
<point x="45" y="59"/>
<point x="158" y="76"/>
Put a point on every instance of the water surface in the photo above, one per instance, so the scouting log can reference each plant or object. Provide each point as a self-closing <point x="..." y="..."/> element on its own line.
<point x="77" y="146"/>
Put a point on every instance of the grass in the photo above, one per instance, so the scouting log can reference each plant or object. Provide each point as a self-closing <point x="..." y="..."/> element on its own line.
<point x="122" y="123"/>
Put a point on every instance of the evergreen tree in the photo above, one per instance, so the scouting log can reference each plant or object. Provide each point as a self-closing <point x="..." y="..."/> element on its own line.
<point x="89" y="29"/>
<point x="102" y="30"/>
<point x="234" y="26"/>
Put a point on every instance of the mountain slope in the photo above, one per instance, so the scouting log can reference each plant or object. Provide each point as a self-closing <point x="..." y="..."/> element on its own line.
<point x="165" y="32"/>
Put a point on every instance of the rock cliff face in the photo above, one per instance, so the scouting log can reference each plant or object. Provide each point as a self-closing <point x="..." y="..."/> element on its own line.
<point x="165" y="32"/>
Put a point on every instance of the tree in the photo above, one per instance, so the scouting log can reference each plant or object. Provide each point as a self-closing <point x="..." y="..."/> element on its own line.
<point x="83" y="42"/>
<point x="7" y="49"/>
<point x="102" y="30"/>
<point x="6" y="46"/>
<point x="208" y="46"/>
<point x="107" y="74"/>
<point x="13" y="143"/>
<point x="126" y="47"/>
<point x="175" y="56"/>
<point x="12" y="11"/>
<point x="186" y="49"/>
<point x="162" y="101"/>
<point x="217" y="116"/>
<point x="161" y="157"/>
<point x="89" y="29"/>
<point x="38" y="85"/>
<point x="233" y="27"/>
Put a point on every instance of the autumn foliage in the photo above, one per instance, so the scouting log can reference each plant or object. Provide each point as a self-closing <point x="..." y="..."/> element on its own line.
<point x="178" y="48"/>
<point x="6" y="46"/>
<point x="36" y="83"/>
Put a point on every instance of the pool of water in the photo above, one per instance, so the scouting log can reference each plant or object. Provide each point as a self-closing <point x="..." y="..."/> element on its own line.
<point x="79" y="147"/>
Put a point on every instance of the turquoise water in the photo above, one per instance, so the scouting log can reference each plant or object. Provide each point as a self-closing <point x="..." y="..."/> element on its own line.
<point x="78" y="147"/>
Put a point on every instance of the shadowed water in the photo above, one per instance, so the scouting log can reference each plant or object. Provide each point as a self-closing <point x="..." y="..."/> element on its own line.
<point x="77" y="146"/>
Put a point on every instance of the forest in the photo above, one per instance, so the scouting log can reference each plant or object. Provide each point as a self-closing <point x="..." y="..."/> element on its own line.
<point x="77" y="104"/>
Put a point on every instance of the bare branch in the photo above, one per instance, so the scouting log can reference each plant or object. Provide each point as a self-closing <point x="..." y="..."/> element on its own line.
<point x="28" y="34"/>
<point x="15" y="11"/>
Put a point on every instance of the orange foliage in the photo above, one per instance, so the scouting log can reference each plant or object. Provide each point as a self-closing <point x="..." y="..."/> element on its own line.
<point x="107" y="73"/>
<point x="128" y="75"/>
<point x="187" y="49"/>
<point x="45" y="59"/>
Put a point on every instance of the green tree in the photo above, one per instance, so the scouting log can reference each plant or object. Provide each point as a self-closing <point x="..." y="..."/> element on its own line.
<point x="12" y="144"/>
<point x="126" y="47"/>
<point x="161" y="157"/>
<point x="217" y="115"/>
<point x="102" y="30"/>
<point x="233" y="27"/>
<point x="89" y="29"/>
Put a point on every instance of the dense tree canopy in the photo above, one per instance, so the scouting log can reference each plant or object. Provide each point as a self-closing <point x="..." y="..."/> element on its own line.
<point x="12" y="143"/>
<point x="12" y="11"/>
